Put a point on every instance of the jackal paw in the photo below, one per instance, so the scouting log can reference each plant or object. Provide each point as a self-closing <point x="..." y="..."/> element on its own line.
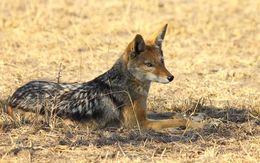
<point x="198" y="117"/>
<point x="194" y="124"/>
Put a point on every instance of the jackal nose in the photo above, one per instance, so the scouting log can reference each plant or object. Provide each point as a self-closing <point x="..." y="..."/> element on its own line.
<point x="170" y="78"/>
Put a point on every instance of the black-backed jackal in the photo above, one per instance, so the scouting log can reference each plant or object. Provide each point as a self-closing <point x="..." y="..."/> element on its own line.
<point x="118" y="96"/>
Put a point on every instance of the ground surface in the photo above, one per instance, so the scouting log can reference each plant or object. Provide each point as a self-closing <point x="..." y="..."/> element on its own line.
<point x="212" y="48"/>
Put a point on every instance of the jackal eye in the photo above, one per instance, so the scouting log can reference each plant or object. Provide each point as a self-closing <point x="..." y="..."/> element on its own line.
<point x="148" y="64"/>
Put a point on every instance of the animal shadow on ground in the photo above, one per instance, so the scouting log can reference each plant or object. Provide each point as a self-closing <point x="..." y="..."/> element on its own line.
<point x="218" y="123"/>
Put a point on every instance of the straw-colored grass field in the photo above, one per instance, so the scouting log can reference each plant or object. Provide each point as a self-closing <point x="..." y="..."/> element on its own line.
<point x="211" y="47"/>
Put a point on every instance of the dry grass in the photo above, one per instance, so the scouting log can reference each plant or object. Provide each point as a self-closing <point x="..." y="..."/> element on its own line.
<point x="212" y="48"/>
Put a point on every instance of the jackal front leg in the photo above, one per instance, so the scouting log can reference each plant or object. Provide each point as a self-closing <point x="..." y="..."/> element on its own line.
<point x="136" y="115"/>
<point x="169" y="123"/>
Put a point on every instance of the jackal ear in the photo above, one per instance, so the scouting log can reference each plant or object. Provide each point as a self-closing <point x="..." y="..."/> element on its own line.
<point x="137" y="46"/>
<point x="157" y="37"/>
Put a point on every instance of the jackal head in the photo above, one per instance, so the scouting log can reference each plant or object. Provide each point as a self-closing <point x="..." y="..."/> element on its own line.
<point x="145" y="58"/>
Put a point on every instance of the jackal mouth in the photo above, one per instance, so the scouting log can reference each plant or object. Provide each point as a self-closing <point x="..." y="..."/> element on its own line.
<point x="159" y="79"/>
<point x="162" y="80"/>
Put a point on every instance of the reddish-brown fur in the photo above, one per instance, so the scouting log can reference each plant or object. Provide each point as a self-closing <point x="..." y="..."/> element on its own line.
<point x="137" y="111"/>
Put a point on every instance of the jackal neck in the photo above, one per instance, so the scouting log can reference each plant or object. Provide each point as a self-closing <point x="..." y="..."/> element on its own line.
<point x="119" y="76"/>
<point x="137" y="89"/>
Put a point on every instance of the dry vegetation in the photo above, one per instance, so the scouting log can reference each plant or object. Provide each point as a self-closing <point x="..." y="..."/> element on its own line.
<point x="212" y="48"/>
